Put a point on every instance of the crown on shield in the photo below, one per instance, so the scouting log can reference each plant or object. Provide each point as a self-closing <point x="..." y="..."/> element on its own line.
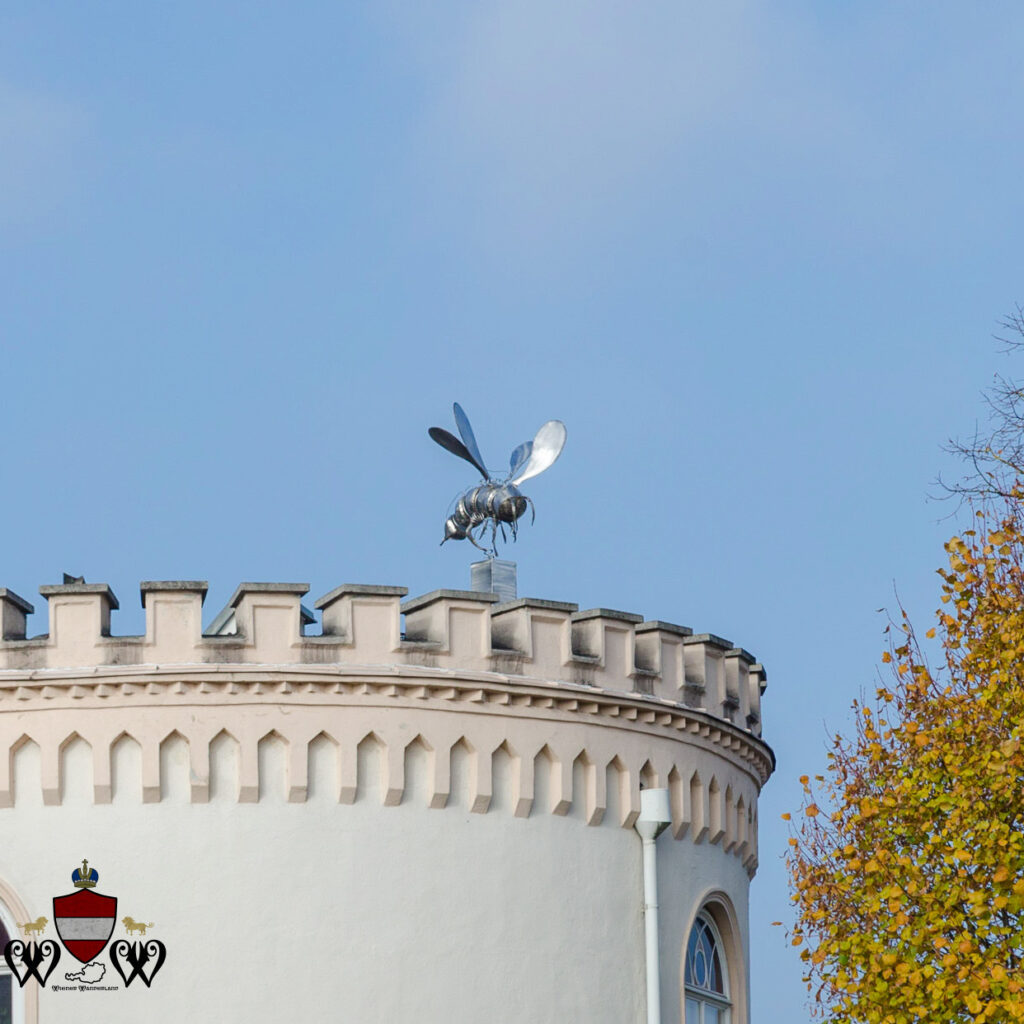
<point x="85" y="877"/>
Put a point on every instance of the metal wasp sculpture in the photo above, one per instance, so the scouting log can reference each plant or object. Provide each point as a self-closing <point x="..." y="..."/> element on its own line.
<point x="496" y="504"/>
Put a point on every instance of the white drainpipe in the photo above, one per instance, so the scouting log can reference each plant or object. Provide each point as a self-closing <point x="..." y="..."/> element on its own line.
<point x="655" y="817"/>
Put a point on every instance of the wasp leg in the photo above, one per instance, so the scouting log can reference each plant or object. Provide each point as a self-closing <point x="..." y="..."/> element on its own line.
<point x="473" y="540"/>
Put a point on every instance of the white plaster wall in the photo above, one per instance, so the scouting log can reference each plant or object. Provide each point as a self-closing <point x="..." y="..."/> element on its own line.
<point x="361" y="913"/>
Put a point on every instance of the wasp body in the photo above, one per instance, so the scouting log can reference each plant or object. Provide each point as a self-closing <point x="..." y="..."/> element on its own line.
<point x="502" y="503"/>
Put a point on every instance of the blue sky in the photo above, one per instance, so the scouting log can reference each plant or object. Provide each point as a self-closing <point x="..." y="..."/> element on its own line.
<point x="751" y="254"/>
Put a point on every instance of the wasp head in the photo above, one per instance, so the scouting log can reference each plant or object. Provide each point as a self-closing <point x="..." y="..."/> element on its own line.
<point x="452" y="531"/>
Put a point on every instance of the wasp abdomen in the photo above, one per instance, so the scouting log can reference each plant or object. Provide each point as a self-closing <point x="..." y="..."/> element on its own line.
<point x="503" y="503"/>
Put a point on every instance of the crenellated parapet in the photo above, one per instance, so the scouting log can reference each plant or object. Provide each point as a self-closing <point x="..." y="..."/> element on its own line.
<point x="532" y="705"/>
<point x="266" y="623"/>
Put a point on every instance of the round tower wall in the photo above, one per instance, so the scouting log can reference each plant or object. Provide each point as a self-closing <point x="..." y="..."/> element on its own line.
<point x="429" y="827"/>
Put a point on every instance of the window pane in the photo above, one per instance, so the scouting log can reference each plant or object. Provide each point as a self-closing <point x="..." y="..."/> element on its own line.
<point x="716" y="972"/>
<point x="5" y="999"/>
<point x="691" y="950"/>
<point x="700" y="977"/>
<point x="703" y="968"/>
<point x="692" y="1011"/>
<point x="710" y="1014"/>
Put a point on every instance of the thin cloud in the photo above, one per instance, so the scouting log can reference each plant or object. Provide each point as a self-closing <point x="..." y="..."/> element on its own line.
<point x="552" y="112"/>
<point x="41" y="142"/>
<point x="546" y="122"/>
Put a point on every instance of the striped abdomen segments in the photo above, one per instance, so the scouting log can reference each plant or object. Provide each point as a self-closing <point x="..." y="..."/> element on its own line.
<point x="501" y="502"/>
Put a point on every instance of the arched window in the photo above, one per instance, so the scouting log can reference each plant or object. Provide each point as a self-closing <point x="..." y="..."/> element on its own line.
<point x="7" y="983"/>
<point x="12" y="1007"/>
<point x="705" y="976"/>
<point x="17" y="1005"/>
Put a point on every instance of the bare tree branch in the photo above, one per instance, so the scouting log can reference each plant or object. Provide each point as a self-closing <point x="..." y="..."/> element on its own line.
<point x="994" y="455"/>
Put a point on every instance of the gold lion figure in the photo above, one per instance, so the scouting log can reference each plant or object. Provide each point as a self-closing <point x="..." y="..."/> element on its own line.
<point x="35" y="926"/>
<point x="131" y="925"/>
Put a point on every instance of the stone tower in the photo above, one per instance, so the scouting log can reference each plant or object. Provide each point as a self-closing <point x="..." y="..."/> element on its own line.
<point x="424" y="812"/>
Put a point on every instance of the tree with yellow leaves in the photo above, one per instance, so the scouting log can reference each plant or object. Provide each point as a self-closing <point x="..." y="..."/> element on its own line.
<point x="907" y="860"/>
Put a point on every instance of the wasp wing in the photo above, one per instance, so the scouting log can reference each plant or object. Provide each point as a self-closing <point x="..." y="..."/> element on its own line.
<point x="519" y="456"/>
<point x="547" y="446"/>
<point x="468" y="437"/>
<point x="451" y="443"/>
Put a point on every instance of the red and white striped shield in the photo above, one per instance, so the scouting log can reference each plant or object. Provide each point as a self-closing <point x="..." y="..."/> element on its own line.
<point x="85" y="922"/>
